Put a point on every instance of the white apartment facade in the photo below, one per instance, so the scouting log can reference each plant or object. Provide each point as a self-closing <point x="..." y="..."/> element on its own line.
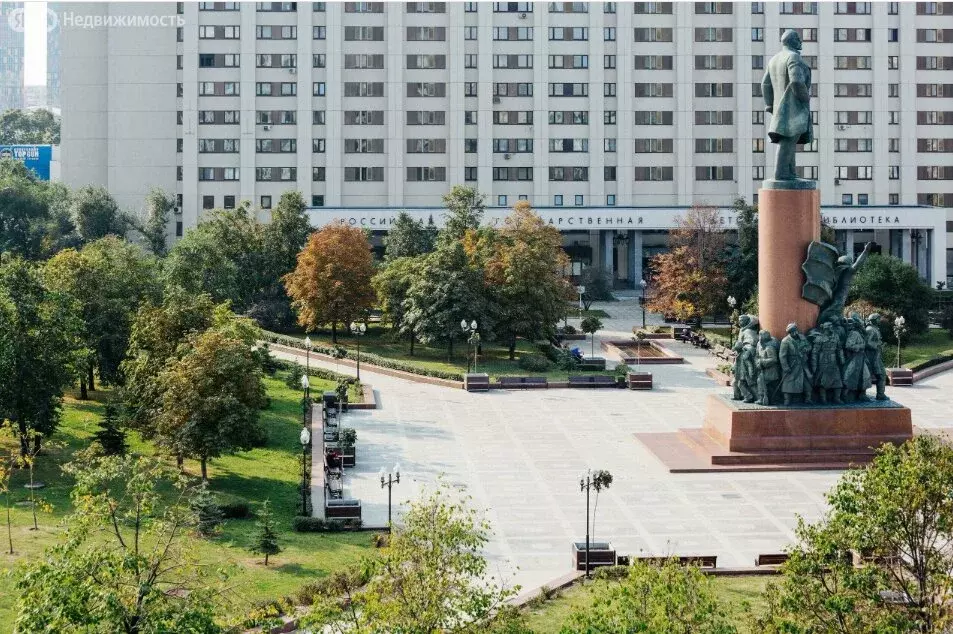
<point x="609" y="117"/>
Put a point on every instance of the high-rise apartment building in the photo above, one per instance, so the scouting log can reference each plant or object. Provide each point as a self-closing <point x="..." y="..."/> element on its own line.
<point x="53" y="55"/>
<point x="609" y="117"/>
<point x="11" y="55"/>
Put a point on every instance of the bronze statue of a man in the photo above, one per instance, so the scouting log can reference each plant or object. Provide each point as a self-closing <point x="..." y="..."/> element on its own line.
<point x="787" y="94"/>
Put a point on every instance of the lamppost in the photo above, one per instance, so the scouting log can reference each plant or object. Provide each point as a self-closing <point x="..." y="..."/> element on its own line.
<point x="581" y="290"/>
<point x="307" y="354"/>
<point x="473" y="341"/>
<point x="306" y="399"/>
<point x="389" y="480"/>
<point x="732" y="302"/>
<point x="358" y="330"/>
<point x="642" y="285"/>
<point x="585" y="484"/>
<point x="305" y="439"/>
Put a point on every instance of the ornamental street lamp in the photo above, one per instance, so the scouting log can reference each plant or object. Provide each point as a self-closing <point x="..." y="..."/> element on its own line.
<point x="642" y="285"/>
<point x="732" y="302"/>
<point x="307" y="354"/>
<point x="306" y="399"/>
<point x="358" y="330"/>
<point x="473" y="341"/>
<point x="581" y="290"/>
<point x="389" y="480"/>
<point x="305" y="439"/>
<point x="585" y="484"/>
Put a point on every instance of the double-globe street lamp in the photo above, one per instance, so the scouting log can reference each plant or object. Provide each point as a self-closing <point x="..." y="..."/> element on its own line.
<point x="389" y="480"/>
<point x="305" y="439"/>
<point x="732" y="302"/>
<point x="642" y="285"/>
<point x="589" y="480"/>
<point x="307" y="354"/>
<point x="358" y="330"/>
<point x="473" y="341"/>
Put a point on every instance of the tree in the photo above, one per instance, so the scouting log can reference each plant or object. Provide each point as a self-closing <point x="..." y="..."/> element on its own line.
<point x="266" y="533"/>
<point x="125" y="562"/>
<point x="891" y="283"/>
<point x="331" y="283"/>
<point x="465" y="209"/>
<point x="665" y="599"/>
<point x="39" y="339"/>
<point x="447" y="290"/>
<point x="431" y="578"/>
<point x="33" y="217"/>
<point x="210" y="398"/>
<point x="689" y="281"/>
<point x="8" y="462"/>
<point x="525" y="272"/>
<point x="896" y="518"/>
<point x="392" y="285"/>
<point x="742" y="266"/>
<point x="155" y="226"/>
<point x="407" y="238"/>
<point x="208" y="513"/>
<point x="282" y="240"/>
<point x="30" y="127"/>
<point x="111" y="438"/>
<point x="590" y="325"/>
<point x="108" y="278"/>
<point x="96" y="215"/>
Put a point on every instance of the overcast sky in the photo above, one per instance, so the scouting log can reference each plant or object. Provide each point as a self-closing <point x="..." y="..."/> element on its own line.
<point x="35" y="44"/>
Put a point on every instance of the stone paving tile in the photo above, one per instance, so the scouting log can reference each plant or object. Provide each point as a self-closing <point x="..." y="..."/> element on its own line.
<point x="519" y="456"/>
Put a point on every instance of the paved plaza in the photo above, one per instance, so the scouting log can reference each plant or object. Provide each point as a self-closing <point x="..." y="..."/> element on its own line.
<point x="519" y="455"/>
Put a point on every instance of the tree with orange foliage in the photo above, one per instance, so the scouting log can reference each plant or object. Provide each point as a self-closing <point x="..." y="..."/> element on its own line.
<point x="525" y="272"/>
<point x="690" y="281"/>
<point x="331" y="283"/>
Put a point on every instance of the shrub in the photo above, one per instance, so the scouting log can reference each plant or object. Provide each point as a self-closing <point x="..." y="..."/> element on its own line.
<point x="207" y="511"/>
<point x="236" y="509"/>
<point x="293" y="379"/>
<point x="380" y="540"/>
<point x="534" y="363"/>
<point x="110" y="436"/>
<point x="946" y="319"/>
<point x="726" y="368"/>
<point x="892" y="284"/>
<point x="568" y="360"/>
<point x="569" y="329"/>
<point x="347" y="437"/>
<point x="621" y="371"/>
<point x="305" y="524"/>
<point x="865" y="309"/>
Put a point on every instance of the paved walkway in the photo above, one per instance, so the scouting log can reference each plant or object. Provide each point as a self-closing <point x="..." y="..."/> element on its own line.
<point x="519" y="456"/>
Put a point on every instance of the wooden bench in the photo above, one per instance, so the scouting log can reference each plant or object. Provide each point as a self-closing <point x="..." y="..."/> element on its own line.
<point x="592" y="363"/>
<point x="523" y="382"/>
<point x="770" y="559"/>
<point x="900" y="376"/>
<point x="639" y="381"/>
<point x="592" y="380"/>
<point x="342" y="509"/>
<point x="702" y="561"/>
<point x="476" y="382"/>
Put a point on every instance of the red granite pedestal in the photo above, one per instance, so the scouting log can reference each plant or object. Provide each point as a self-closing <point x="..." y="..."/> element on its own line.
<point x="741" y="437"/>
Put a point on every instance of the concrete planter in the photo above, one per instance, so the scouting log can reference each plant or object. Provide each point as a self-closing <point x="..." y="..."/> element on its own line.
<point x="639" y="380"/>
<point x="476" y="382"/>
<point x="600" y="554"/>
<point x="900" y="377"/>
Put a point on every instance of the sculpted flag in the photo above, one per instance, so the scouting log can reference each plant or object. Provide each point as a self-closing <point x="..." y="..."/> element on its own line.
<point x="820" y="272"/>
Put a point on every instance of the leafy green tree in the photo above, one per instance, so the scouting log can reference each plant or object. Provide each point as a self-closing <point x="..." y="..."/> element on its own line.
<point x="331" y="283"/>
<point x="896" y="519"/>
<point x="30" y="127"/>
<point x="446" y="291"/>
<point x="525" y="273"/>
<point x="39" y="340"/>
<point x="155" y="226"/>
<point x="392" y="284"/>
<point x="465" y="208"/>
<point x="108" y="278"/>
<point x="431" y="578"/>
<point x="266" y="533"/>
<point x="208" y="513"/>
<point x="96" y="215"/>
<point x="666" y="599"/>
<point x="210" y="398"/>
<point x="742" y="265"/>
<point x="591" y="325"/>
<point x="891" y="283"/>
<point x="407" y="238"/>
<point x="126" y="561"/>
<point x="110" y="436"/>
<point x="24" y="211"/>
<point x="282" y="240"/>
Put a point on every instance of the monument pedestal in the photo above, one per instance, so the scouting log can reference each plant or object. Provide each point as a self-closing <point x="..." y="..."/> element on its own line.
<point x="739" y="436"/>
<point x="788" y="220"/>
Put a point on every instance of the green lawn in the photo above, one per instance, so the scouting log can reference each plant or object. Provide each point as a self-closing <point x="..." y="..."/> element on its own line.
<point x="270" y="473"/>
<point x="935" y="342"/>
<point x="493" y="360"/>
<point x="734" y="591"/>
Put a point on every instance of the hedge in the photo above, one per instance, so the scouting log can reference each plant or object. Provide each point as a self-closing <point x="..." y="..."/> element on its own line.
<point x="306" y="524"/>
<point x="320" y="373"/>
<point x="366" y="357"/>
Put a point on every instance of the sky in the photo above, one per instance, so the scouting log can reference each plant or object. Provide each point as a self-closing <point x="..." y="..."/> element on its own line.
<point x="34" y="43"/>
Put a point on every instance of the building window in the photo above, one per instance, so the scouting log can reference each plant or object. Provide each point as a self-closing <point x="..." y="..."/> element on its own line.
<point x="757" y="145"/>
<point x="608" y="90"/>
<point x="894" y="117"/>
<point x="847" y="199"/>
<point x="893" y="35"/>
<point x="579" y="200"/>
<point x="470" y="174"/>
<point x="894" y="145"/>
<point x="470" y="7"/>
<point x="470" y="117"/>
<point x="317" y="200"/>
<point x="470" y="60"/>
<point x="178" y="228"/>
<point x="608" y="33"/>
<point x="609" y="117"/>
<point x="469" y="33"/>
<point x="862" y="199"/>
<point x="208" y="202"/>
<point x="757" y="172"/>
<point x="501" y="200"/>
<point x="228" y="202"/>
<point x="266" y="202"/>
<point x="757" y="117"/>
<point x="558" y="200"/>
<point x="609" y="173"/>
<point x="319" y="32"/>
<point x="319" y="89"/>
<point x="610" y="200"/>
<point x="609" y="145"/>
<point x="893" y="172"/>
<point x="608" y="61"/>
<point x="894" y="199"/>
<point x="470" y="146"/>
<point x="893" y="62"/>
<point x="757" y="34"/>
<point x="757" y="62"/>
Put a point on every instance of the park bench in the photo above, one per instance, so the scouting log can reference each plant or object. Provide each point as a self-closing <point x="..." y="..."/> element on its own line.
<point x="700" y="341"/>
<point x="592" y="380"/>
<point x="523" y="382"/>
<point x="335" y="489"/>
<point x="592" y="363"/>
<point x="702" y="561"/>
<point x="342" y="509"/>
<point x="770" y="559"/>
<point x="476" y="382"/>
<point x="683" y="334"/>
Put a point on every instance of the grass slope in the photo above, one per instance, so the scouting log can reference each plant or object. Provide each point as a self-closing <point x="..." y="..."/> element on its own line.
<point x="270" y="473"/>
